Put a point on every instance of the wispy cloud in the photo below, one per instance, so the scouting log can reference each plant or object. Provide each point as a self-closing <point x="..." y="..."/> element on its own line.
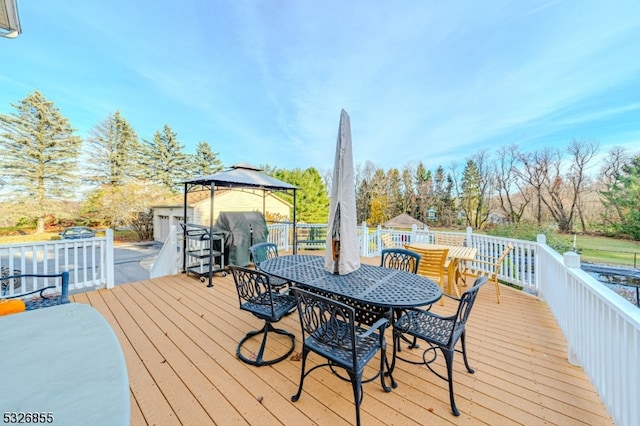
<point x="265" y="82"/>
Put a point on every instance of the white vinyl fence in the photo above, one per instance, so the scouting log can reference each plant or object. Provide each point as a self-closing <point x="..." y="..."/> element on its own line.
<point x="89" y="262"/>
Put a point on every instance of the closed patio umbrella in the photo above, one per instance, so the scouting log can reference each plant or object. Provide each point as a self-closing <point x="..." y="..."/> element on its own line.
<point x="343" y="254"/>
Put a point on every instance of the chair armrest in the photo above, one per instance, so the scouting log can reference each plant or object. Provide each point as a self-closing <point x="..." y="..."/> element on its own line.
<point x="380" y="324"/>
<point x="490" y="264"/>
<point x="39" y="290"/>
<point x="450" y="296"/>
<point x="49" y="299"/>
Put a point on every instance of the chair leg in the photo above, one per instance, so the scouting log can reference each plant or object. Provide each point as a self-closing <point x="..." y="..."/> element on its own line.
<point x="296" y="397"/>
<point x="358" y="393"/>
<point x="463" y="343"/>
<point x="259" y="361"/>
<point x="448" y="356"/>
<point x="495" y="281"/>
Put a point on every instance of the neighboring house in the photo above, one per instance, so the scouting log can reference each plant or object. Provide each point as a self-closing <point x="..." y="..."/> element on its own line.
<point x="404" y="221"/>
<point x="171" y="212"/>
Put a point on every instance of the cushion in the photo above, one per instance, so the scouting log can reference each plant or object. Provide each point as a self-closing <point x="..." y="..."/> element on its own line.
<point x="11" y="306"/>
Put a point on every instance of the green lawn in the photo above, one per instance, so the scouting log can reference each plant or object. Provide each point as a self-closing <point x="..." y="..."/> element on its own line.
<point x="608" y="250"/>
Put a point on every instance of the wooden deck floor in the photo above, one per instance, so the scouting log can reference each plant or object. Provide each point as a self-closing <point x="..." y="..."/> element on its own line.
<point x="179" y="339"/>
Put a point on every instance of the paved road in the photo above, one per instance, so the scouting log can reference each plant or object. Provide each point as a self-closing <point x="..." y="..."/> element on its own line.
<point x="132" y="261"/>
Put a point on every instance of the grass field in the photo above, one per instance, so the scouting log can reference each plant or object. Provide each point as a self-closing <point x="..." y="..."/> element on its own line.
<point x="608" y="251"/>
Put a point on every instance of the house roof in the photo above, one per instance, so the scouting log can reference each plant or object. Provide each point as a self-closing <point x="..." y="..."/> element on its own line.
<point x="193" y="198"/>
<point x="403" y="221"/>
<point x="242" y="175"/>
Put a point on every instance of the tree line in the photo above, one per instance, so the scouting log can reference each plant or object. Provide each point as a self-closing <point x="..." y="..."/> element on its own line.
<point x="44" y="162"/>
<point x="567" y="188"/>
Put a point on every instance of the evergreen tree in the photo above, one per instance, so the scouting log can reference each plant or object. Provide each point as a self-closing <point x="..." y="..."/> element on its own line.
<point x="114" y="150"/>
<point x="311" y="199"/>
<point x="623" y="195"/>
<point x="394" y="194"/>
<point x="424" y="193"/>
<point x="470" y="198"/>
<point x="443" y="199"/>
<point x="115" y="153"/>
<point x="164" y="160"/>
<point x="205" y="161"/>
<point x="38" y="154"/>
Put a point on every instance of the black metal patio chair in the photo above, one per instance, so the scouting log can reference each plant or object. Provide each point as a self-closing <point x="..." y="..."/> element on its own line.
<point x="44" y="292"/>
<point x="440" y="332"/>
<point x="263" y="251"/>
<point x="402" y="259"/>
<point x="330" y="329"/>
<point x="256" y="295"/>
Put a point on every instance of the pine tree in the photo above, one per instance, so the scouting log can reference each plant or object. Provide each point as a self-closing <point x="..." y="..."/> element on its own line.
<point x="115" y="153"/>
<point x="38" y="154"/>
<point x="164" y="160"/>
<point x="623" y="195"/>
<point x="312" y="201"/>
<point x="470" y="198"/>
<point x="205" y="161"/>
<point x="114" y="149"/>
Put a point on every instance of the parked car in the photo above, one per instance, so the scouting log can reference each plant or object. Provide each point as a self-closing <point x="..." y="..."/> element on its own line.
<point x="76" y="232"/>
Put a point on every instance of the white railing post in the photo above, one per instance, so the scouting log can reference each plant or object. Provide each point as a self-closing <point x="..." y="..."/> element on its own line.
<point x="109" y="259"/>
<point x="364" y="240"/>
<point x="571" y="260"/>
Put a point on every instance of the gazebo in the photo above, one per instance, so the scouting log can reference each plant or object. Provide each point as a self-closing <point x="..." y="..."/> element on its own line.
<point x="239" y="176"/>
<point x="403" y="221"/>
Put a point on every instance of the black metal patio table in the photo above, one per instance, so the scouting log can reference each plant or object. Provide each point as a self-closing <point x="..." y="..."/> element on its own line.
<point x="372" y="285"/>
<point x="368" y="286"/>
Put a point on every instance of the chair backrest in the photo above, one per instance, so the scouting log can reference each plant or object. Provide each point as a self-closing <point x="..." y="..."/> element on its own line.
<point x="467" y="301"/>
<point x="449" y="239"/>
<point x="331" y="323"/>
<point x="254" y="290"/>
<point x="432" y="263"/>
<point x="41" y="283"/>
<point x="492" y="264"/>
<point x="263" y="251"/>
<point x="387" y="241"/>
<point x="402" y="259"/>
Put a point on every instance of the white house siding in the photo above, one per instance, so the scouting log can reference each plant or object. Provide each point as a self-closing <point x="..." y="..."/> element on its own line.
<point x="164" y="218"/>
<point x="223" y="201"/>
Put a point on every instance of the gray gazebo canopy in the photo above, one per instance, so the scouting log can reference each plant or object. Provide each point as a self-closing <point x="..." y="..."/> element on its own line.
<point x="241" y="175"/>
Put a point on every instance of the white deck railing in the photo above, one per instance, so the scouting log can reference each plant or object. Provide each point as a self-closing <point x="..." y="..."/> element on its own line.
<point x="88" y="261"/>
<point x="602" y="330"/>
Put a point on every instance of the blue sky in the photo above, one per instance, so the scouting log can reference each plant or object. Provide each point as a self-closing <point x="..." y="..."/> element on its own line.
<point x="264" y="81"/>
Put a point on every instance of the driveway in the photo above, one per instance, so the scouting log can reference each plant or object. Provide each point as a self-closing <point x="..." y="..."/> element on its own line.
<point x="133" y="260"/>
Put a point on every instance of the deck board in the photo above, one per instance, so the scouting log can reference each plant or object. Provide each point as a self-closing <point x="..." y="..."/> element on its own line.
<point x="179" y="340"/>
